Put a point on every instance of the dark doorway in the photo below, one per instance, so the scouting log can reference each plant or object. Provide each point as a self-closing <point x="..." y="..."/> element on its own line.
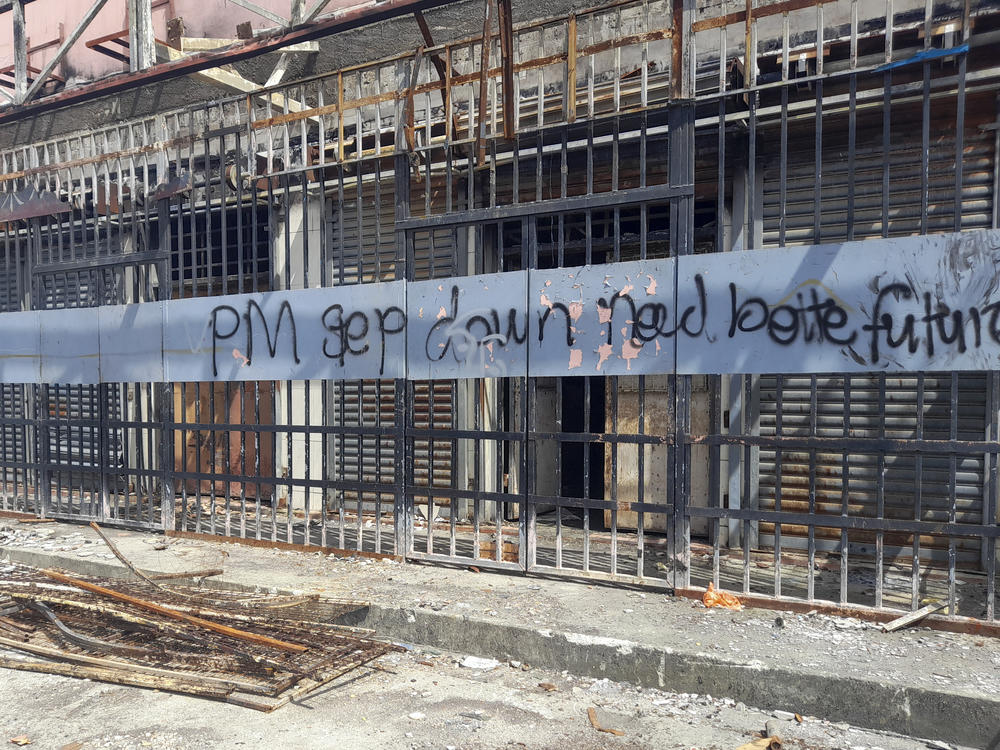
<point x="579" y="416"/>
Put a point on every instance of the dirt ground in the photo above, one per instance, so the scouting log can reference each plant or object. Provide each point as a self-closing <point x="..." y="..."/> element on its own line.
<point x="420" y="699"/>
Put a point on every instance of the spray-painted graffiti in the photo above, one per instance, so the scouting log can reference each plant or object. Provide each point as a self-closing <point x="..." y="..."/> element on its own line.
<point x="922" y="303"/>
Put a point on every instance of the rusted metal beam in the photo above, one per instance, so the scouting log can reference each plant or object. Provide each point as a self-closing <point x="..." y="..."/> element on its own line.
<point x="151" y="148"/>
<point x="749" y="55"/>
<point x="484" y="75"/>
<point x="740" y="16"/>
<point x="506" y="23"/>
<point x="676" y="49"/>
<point x="17" y="515"/>
<point x="353" y="18"/>
<point x="262" y="640"/>
<point x="411" y="138"/>
<point x="443" y="71"/>
<point x="571" y="68"/>
<point x="539" y="62"/>
<point x="425" y="32"/>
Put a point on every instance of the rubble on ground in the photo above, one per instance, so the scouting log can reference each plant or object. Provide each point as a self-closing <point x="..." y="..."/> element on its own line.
<point x="259" y="651"/>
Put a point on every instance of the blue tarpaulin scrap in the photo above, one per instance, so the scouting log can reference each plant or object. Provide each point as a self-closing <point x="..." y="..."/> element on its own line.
<point x="924" y="56"/>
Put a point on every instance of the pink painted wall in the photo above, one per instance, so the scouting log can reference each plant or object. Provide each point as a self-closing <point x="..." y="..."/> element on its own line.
<point x="48" y="21"/>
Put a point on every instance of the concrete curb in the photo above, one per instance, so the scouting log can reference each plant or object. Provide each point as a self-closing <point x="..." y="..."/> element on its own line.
<point x="951" y="716"/>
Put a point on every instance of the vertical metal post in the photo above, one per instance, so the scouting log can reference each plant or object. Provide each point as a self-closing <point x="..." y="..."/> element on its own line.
<point x="43" y="459"/>
<point x="20" y="52"/>
<point x="680" y="126"/>
<point x="142" y="45"/>
<point x="106" y="464"/>
<point x="166" y="411"/>
<point x="484" y="77"/>
<point x="403" y="458"/>
<point x="166" y="418"/>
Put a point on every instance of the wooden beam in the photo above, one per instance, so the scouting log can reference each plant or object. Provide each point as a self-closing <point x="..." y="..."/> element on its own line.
<point x="913" y="617"/>
<point x="89" y="16"/>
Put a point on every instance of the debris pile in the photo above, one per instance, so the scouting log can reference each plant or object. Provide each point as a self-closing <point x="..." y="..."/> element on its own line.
<point x="254" y="650"/>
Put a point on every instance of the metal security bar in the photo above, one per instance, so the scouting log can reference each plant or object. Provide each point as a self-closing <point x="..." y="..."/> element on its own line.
<point x="825" y="123"/>
<point x="634" y="131"/>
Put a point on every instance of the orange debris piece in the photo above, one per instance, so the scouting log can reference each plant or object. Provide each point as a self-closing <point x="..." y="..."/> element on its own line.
<point x="713" y="598"/>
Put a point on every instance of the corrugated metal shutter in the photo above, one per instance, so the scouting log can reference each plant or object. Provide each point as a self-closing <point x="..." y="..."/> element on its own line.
<point x="900" y="392"/>
<point x="904" y="199"/>
<point x="369" y="403"/>
<point x="862" y="470"/>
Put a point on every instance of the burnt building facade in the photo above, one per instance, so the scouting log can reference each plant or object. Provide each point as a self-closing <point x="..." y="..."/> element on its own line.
<point x="543" y="151"/>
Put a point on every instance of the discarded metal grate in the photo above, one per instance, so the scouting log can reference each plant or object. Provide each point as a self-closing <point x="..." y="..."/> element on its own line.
<point x="263" y="651"/>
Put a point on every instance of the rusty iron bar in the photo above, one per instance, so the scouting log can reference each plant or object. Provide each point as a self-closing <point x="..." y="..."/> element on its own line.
<point x="571" y="57"/>
<point x="749" y="55"/>
<point x="411" y="137"/>
<point x="443" y="68"/>
<point x="677" y="49"/>
<point x="741" y="16"/>
<point x="539" y="62"/>
<point x="167" y="612"/>
<point x="425" y="32"/>
<point x="484" y="75"/>
<point x="506" y="24"/>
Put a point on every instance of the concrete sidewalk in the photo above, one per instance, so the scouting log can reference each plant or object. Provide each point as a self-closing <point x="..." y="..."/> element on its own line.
<point x="916" y="682"/>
